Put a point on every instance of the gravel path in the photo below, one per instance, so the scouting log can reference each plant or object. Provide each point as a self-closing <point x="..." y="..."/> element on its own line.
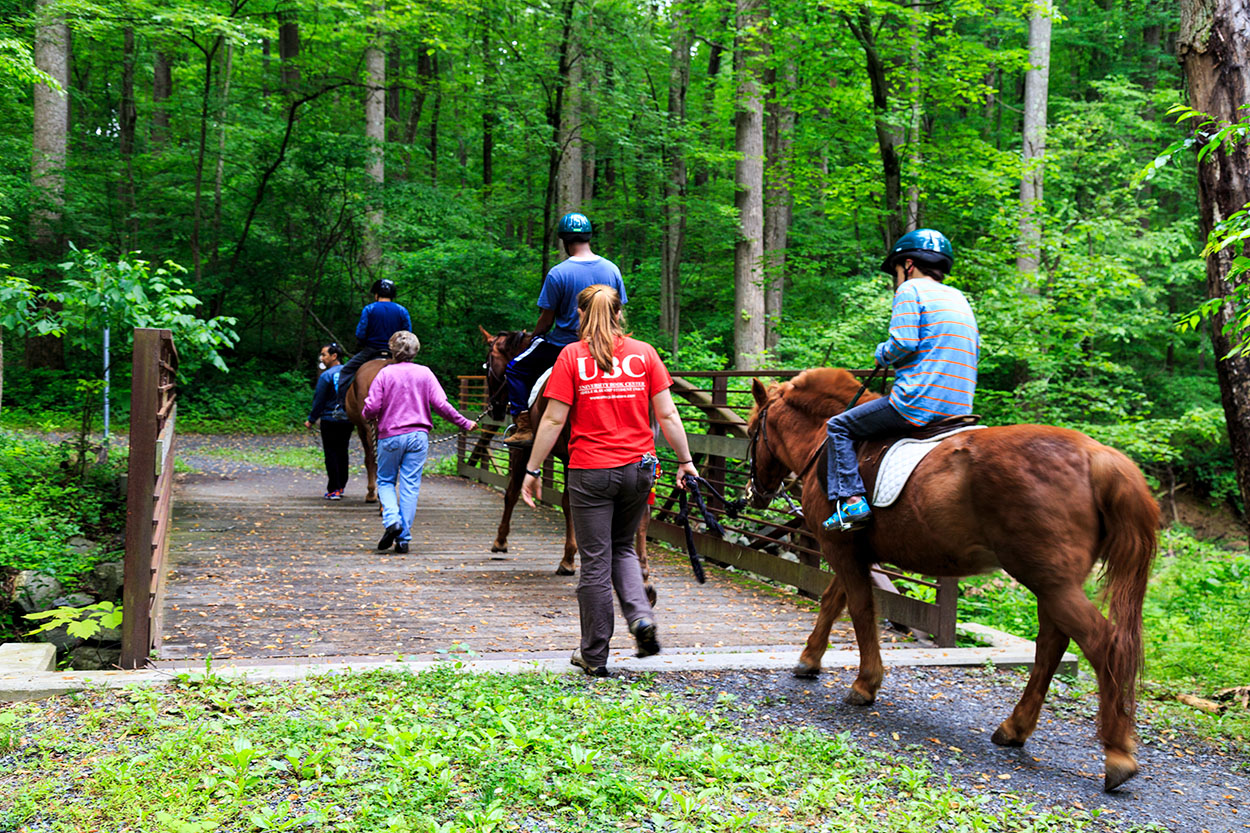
<point x="944" y="717"/>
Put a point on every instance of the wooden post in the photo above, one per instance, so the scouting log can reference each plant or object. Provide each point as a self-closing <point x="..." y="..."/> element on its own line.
<point x="140" y="500"/>
<point x="715" y="466"/>
<point x="948" y="606"/>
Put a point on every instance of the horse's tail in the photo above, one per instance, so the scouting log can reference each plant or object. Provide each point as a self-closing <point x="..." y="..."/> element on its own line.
<point x="1130" y="523"/>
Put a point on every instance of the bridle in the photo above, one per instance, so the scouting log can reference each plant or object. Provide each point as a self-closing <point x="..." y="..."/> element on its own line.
<point x="761" y="434"/>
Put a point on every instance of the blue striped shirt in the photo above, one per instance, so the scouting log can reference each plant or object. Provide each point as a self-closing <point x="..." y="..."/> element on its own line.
<point x="934" y="346"/>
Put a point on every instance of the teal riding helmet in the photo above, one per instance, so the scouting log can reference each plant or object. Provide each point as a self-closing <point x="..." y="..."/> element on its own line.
<point x="923" y="245"/>
<point x="574" y="223"/>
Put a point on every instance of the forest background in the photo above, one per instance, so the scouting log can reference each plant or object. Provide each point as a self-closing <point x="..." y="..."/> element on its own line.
<point x="746" y="164"/>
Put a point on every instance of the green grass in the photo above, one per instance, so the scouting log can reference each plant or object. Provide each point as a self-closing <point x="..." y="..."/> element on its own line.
<point x="454" y="752"/>
<point x="299" y="457"/>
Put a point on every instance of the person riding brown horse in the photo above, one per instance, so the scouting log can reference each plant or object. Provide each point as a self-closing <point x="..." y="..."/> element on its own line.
<point x="1042" y="503"/>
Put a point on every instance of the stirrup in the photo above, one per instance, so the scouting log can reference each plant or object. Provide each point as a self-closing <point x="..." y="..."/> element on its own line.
<point x="848" y="516"/>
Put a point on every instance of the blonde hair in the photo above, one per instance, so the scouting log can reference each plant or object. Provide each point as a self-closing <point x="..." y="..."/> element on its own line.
<point x="600" y="306"/>
<point x="404" y="346"/>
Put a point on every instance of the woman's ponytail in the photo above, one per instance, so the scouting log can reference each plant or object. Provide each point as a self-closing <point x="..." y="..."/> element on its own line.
<point x="600" y="306"/>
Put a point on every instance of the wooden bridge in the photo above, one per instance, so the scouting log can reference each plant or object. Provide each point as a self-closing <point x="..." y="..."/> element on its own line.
<point x="257" y="565"/>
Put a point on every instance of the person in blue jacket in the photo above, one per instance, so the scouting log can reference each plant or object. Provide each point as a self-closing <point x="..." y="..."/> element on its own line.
<point x="378" y="322"/>
<point x="336" y="428"/>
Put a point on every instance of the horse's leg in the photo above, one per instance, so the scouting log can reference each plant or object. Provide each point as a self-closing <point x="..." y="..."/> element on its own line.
<point x="568" y="564"/>
<point x="1051" y="643"/>
<point x="366" y="435"/>
<point x="1075" y="615"/>
<point x="640" y="547"/>
<point x="516" y="474"/>
<point x="859" y="602"/>
<point x="831" y="605"/>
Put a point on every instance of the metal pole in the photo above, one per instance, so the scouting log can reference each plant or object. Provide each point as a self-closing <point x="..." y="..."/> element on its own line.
<point x="106" y="385"/>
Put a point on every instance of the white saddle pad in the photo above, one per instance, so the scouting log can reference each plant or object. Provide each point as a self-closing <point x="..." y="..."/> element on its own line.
<point x="538" y="386"/>
<point x="901" y="460"/>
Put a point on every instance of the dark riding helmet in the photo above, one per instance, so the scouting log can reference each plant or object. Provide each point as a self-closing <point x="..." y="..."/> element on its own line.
<point x="383" y="288"/>
<point x="924" y="245"/>
<point x="574" y="223"/>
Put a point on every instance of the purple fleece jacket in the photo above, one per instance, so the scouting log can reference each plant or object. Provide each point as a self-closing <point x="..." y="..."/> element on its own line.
<point x="401" y="398"/>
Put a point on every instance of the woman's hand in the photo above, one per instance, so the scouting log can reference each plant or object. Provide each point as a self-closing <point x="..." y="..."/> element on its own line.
<point x="307" y="424"/>
<point x="472" y="426"/>
<point x="686" y="469"/>
<point x="531" y="490"/>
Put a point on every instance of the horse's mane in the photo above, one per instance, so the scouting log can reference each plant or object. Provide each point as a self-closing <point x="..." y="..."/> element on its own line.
<point x="512" y="341"/>
<point x="822" y="391"/>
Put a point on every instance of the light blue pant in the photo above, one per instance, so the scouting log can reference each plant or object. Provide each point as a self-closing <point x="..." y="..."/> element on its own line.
<point x="401" y="459"/>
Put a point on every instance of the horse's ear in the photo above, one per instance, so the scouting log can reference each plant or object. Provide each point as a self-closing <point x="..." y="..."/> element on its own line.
<point x="487" y="337"/>
<point x="759" y="391"/>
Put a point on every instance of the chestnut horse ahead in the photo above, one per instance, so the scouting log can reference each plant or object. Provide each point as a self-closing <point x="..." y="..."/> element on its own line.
<point x="1042" y="503"/>
<point x="502" y="348"/>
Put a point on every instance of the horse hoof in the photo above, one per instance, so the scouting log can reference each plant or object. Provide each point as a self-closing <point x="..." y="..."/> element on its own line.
<point x="564" y="571"/>
<point x="651" y="597"/>
<point x="497" y="547"/>
<point x="371" y="500"/>
<point x="805" y="671"/>
<point x="857" y="698"/>
<point x="1119" y="768"/>
<point x="1002" y="737"/>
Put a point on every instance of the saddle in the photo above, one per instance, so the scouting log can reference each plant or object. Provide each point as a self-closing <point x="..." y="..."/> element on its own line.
<point x="872" y="454"/>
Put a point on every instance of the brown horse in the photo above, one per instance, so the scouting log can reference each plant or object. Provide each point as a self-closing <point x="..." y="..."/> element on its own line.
<point x="1042" y="503"/>
<point x="354" y="403"/>
<point x="501" y="348"/>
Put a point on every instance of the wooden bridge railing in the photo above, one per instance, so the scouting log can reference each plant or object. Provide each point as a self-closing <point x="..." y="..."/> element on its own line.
<point x="148" y="492"/>
<point x="772" y="542"/>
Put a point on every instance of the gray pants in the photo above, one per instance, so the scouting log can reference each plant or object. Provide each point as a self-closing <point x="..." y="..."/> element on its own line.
<point x="607" y="506"/>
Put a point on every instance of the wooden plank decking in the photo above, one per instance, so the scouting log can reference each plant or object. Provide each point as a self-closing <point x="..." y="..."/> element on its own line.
<point x="262" y="567"/>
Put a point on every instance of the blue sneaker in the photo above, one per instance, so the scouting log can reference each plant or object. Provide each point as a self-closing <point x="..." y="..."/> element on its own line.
<point x="849" y="514"/>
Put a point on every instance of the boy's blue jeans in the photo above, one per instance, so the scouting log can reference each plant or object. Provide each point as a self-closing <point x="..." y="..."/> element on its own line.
<point x="863" y="422"/>
<point x="401" y="460"/>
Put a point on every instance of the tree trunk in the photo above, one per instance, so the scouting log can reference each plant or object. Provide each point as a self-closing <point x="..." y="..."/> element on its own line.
<point x="50" y="121"/>
<point x="887" y="134"/>
<point x="703" y="171"/>
<point x="915" y="157"/>
<point x="1215" y="55"/>
<point x="435" y="112"/>
<point x="198" y="212"/>
<point x="749" y="182"/>
<point x="227" y="70"/>
<point x="375" y="136"/>
<point x="489" y="80"/>
<point x="1036" y="83"/>
<point x="675" y="183"/>
<point x="569" y="176"/>
<point x="288" y="51"/>
<point x="555" y="112"/>
<point x="162" y="89"/>
<point x="127" y="118"/>
<point x="778" y="209"/>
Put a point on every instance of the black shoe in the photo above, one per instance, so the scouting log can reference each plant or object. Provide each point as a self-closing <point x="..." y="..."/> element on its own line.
<point x="388" y="537"/>
<point x="401" y="547"/>
<point x="591" y="670"/>
<point x="646" y="635"/>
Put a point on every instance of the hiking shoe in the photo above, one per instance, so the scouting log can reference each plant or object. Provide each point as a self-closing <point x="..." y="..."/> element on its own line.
<point x="522" y="431"/>
<point x="337" y="494"/>
<point x="849" y="514"/>
<point x="646" y="636"/>
<point x="389" y="536"/>
<point x="401" y="547"/>
<point x="591" y="670"/>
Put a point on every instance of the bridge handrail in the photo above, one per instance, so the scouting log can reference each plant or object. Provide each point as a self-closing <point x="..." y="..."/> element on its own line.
<point x="772" y="543"/>
<point x="149" y="491"/>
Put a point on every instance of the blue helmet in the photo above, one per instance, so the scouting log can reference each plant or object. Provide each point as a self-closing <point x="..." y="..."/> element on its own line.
<point x="924" y="245"/>
<point x="574" y="223"/>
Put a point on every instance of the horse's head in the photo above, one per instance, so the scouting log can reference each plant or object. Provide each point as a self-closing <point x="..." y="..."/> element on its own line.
<point x="501" y="348"/>
<point x="767" y="471"/>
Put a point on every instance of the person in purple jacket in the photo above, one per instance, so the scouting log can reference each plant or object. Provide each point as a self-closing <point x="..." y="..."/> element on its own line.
<point x="400" y="399"/>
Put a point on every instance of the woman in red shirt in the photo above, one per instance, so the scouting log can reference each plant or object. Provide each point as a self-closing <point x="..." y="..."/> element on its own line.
<point x="602" y="385"/>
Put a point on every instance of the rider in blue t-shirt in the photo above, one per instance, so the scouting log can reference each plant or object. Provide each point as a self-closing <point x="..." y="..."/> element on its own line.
<point x="378" y="322"/>
<point x="557" y="321"/>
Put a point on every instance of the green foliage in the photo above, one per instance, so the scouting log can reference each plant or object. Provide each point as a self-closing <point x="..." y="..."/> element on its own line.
<point x="252" y="400"/>
<point x="471" y="753"/>
<point x="43" y="504"/>
<point x="84" y="622"/>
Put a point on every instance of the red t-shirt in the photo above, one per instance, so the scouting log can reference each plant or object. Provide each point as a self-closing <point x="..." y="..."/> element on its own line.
<point x="608" y="417"/>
